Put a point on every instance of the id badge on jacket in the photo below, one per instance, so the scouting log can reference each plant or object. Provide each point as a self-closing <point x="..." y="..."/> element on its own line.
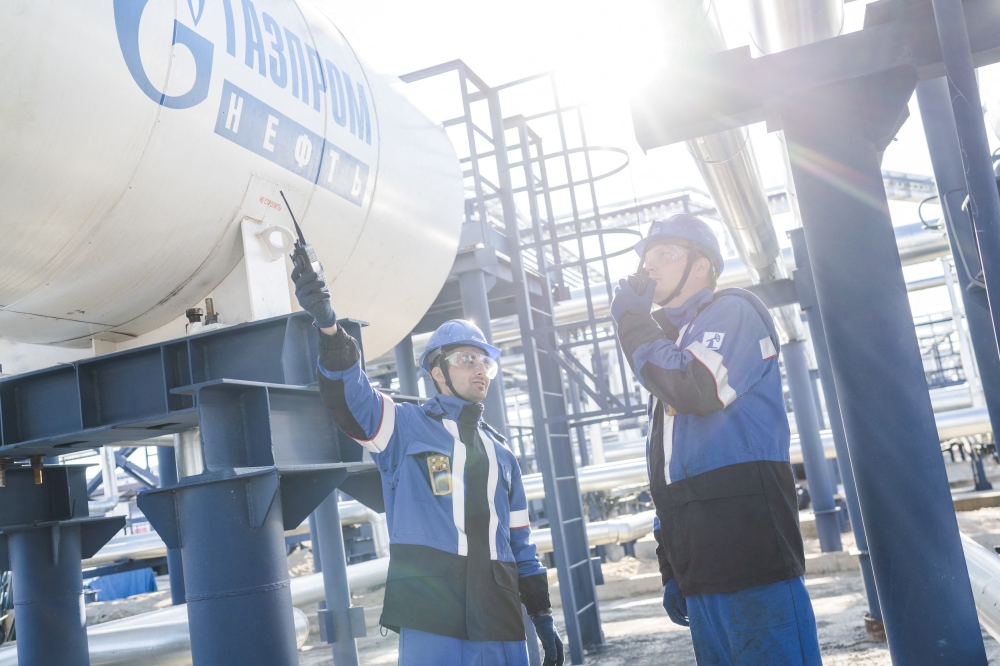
<point x="439" y="469"/>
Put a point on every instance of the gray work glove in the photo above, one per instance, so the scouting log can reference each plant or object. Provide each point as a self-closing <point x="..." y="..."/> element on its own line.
<point x="313" y="295"/>
<point x="545" y="627"/>
<point x="674" y="603"/>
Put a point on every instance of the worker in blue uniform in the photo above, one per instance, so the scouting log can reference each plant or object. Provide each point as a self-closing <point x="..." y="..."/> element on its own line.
<point x="729" y="546"/>
<point x="461" y="559"/>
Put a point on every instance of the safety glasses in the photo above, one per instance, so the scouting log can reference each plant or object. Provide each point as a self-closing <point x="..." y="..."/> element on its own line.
<point x="662" y="253"/>
<point x="470" y="360"/>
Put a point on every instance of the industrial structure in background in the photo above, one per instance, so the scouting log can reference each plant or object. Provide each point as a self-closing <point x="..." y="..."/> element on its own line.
<point x="231" y="103"/>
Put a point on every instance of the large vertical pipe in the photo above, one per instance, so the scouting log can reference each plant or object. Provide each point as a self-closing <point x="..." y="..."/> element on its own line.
<point x="406" y="370"/>
<point x="48" y="596"/>
<point x="984" y="201"/>
<point x="476" y="306"/>
<point x="891" y="433"/>
<point x="938" y="118"/>
<point x="168" y="477"/>
<point x="793" y="353"/>
<point x="236" y="574"/>
<point x="338" y="593"/>
<point x="807" y="299"/>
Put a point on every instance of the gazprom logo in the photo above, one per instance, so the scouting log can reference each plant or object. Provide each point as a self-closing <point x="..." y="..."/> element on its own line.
<point x="128" y="14"/>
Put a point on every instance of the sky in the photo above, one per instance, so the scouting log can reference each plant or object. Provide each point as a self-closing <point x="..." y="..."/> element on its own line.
<point x="601" y="53"/>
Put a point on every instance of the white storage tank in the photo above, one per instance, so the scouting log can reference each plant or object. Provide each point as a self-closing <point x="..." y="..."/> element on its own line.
<point x="138" y="134"/>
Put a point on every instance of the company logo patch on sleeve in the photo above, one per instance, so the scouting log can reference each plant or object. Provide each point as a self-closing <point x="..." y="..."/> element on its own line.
<point x="767" y="350"/>
<point x="712" y="340"/>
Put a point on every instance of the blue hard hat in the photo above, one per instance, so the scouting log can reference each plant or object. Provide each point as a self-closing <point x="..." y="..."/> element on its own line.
<point x="456" y="332"/>
<point x="686" y="230"/>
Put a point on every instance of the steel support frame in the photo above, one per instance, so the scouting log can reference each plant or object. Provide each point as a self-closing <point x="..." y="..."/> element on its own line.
<point x="834" y="134"/>
<point x="406" y="369"/>
<point x="553" y="450"/>
<point x="938" y="119"/>
<point x="167" y="457"/>
<point x="476" y="307"/>
<point x="793" y="353"/>
<point x="268" y="453"/>
<point x="45" y="532"/>
<point x="343" y="622"/>
<point x="806" y="290"/>
<point x="543" y="362"/>
<point x="984" y="200"/>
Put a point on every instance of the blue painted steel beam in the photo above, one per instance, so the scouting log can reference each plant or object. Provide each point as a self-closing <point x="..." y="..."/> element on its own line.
<point x="341" y="632"/>
<point x="731" y="89"/>
<point x="167" y="457"/>
<point x="793" y="353"/>
<point x="406" y="368"/>
<point x="134" y="394"/>
<point x="949" y="171"/>
<point x="143" y="476"/>
<point x="984" y="201"/>
<point x="834" y="135"/>
<point x="476" y="307"/>
<point x="807" y="300"/>
<point x="45" y="532"/>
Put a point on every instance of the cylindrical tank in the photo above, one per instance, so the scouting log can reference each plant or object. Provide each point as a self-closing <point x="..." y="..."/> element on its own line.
<point x="138" y="134"/>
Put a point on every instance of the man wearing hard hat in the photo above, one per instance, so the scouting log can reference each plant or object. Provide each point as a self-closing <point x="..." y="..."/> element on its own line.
<point x="729" y="545"/>
<point x="461" y="559"/>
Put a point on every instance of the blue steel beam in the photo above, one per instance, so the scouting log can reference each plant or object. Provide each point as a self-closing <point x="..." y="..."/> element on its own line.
<point x="167" y="457"/>
<point x="143" y="476"/>
<point x="977" y="163"/>
<point x="730" y="89"/>
<point x="793" y="354"/>
<point x="807" y="300"/>
<point x="834" y="135"/>
<point x="134" y="394"/>
<point x="949" y="172"/>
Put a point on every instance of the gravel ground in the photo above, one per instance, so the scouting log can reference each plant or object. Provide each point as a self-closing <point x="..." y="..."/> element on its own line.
<point x="636" y="629"/>
<point x="637" y="632"/>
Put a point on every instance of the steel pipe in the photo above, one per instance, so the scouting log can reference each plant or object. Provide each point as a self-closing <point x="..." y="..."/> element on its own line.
<point x="159" y="638"/>
<point x="109" y="476"/>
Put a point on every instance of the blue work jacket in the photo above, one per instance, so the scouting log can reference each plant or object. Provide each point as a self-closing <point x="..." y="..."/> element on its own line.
<point x="717" y="450"/>
<point x="471" y="537"/>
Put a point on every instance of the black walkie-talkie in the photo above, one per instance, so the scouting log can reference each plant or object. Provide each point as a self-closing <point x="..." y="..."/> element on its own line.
<point x="304" y="255"/>
<point x="640" y="279"/>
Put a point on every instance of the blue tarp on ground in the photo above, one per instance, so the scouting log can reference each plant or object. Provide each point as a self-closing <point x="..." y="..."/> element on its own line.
<point x="121" y="585"/>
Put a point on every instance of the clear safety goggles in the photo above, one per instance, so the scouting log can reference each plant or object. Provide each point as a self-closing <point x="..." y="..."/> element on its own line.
<point x="470" y="360"/>
<point x="662" y="253"/>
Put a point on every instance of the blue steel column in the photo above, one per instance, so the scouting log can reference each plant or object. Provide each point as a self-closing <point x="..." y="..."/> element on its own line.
<point x="476" y="306"/>
<point x="338" y="592"/>
<point x="984" y="201"/>
<point x="834" y="134"/>
<point x="44" y="534"/>
<point x="949" y="173"/>
<point x="406" y="370"/>
<point x="48" y="597"/>
<point x="806" y="291"/>
<point x="175" y="565"/>
<point x="236" y="574"/>
<point x="793" y="353"/>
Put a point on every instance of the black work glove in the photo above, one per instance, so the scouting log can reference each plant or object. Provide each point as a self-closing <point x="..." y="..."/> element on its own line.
<point x="313" y="296"/>
<point x="545" y="627"/>
<point x="674" y="603"/>
<point x="625" y="298"/>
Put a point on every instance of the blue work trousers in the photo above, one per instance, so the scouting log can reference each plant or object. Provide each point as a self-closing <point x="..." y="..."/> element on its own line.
<point x="420" y="648"/>
<point x="770" y="625"/>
